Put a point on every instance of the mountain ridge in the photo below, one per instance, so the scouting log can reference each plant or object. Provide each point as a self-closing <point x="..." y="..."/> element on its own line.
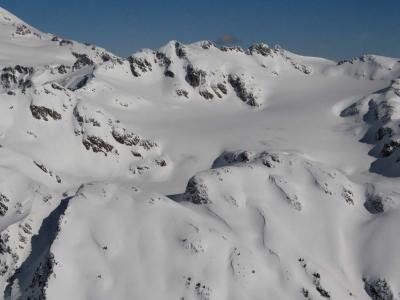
<point x="195" y="172"/>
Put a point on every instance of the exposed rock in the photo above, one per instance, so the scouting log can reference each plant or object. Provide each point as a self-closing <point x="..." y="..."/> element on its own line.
<point x="147" y="144"/>
<point x="348" y="196"/>
<point x="3" y="204"/>
<point x="41" y="167"/>
<point x="62" y="69"/>
<point x="195" y="77"/>
<point x="78" y="116"/>
<point x="97" y="144"/>
<point x="106" y="57"/>
<point x="232" y="49"/>
<point x="216" y="91"/>
<point x="17" y="77"/>
<point x="137" y="64"/>
<point x="164" y="61"/>
<point x="222" y="88"/>
<point x="169" y="73"/>
<point x="40" y="277"/>
<point x="241" y="91"/>
<point x="264" y="50"/>
<point x="390" y="147"/>
<point x="374" y="204"/>
<point x="125" y="138"/>
<point x="305" y="293"/>
<point x="183" y="93"/>
<point x="233" y="157"/>
<point x="377" y="202"/>
<point x="380" y="111"/>
<point x="364" y="59"/>
<point x="22" y="29"/>
<point x="42" y="112"/>
<point x="197" y="191"/>
<point x="136" y="154"/>
<point x="207" y="45"/>
<point x="352" y="110"/>
<point x="122" y="136"/>
<point x="206" y="94"/>
<point x="219" y="90"/>
<point x="66" y="43"/>
<point x="317" y="282"/>
<point x="378" y="289"/>
<point x="302" y="68"/>
<point x="180" y="50"/>
<point x="56" y="86"/>
<point x="82" y="60"/>
<point x="161" y="163"/>
<point x="383" y="132"/>
<point x="61" y="41"/>
<point x="260" y="48"/>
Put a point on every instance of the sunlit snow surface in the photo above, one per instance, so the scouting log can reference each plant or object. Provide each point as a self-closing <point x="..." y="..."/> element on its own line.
<point x="195" y="172"/>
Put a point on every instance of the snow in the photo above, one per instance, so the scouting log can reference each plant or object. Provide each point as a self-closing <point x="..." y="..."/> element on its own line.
<point x="194" y="172"/>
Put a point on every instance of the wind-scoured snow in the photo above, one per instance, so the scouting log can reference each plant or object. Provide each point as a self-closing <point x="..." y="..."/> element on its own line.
<point x="195" y="172"/>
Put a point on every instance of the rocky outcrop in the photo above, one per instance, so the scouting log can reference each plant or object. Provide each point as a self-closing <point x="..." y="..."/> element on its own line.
<point x="122" y="136"/>
<point x="317" y="283"/>
<point x="103" y="134"/>
<point x="241" y="90"/>
<point x="4" y="200"/>
<point x="96" y="144"/>
<point x="18" y="77"/>
<point x="180" y="50"/>
<point x="390" y="147"/>
<point x="47" y="171"/>
<point x="182" y="93"/>
<point x="195" y="77"/>
<point x="82" y="60"/>
<point x="44" y="113"/>
<point x="264" y="50"/>
<point x="378" y="289"/>
<point x="125" y="138"/>
<point x="169" y="73"/>
<point x="207" y="45"/>
<point x="206" y="94"/>
<point x="163" y="60"/>
<point x="22" y="29"/>
<point x="196" y="190"/>
<point x="139" y="65"/>
<point x="261" y="48"/>
<point x="232" y="49"/>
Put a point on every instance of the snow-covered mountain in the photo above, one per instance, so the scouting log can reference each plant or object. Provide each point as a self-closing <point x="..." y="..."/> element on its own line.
<point x="195" y="172"/>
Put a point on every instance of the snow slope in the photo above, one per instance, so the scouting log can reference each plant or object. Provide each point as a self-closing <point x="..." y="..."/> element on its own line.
<point x="195" y="172"/>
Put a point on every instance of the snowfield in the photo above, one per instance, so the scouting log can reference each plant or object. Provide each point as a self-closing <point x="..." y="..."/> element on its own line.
<point x="195" y="172"/>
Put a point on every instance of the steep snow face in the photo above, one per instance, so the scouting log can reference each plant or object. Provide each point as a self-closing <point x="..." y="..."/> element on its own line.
<point x="110" y="187"/>
<point x="380" y="112"/>
<point x="258" y="225"/>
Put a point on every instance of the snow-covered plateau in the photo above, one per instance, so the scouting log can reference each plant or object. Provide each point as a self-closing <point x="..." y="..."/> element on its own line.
<point x="195" y="172"/>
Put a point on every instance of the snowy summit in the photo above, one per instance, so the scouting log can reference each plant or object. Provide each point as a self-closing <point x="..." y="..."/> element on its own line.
<point x="195" y="172"/>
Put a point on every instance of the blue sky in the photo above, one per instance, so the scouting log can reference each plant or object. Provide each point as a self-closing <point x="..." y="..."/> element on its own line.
<point x="330" y="28"/>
